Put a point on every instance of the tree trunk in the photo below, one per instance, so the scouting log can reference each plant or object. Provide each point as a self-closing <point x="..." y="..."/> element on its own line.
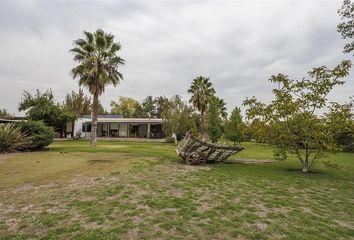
<point x="305" y="167"/>
<point x="94" y="111"/>
<point x="72" y="128"/>
<point x="202" y="123"/>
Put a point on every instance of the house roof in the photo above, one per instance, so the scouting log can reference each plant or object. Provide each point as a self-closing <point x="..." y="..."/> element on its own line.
<point x="7" y="120"/>
<point x="125" y="120"/>
<point x="104" y="116"/>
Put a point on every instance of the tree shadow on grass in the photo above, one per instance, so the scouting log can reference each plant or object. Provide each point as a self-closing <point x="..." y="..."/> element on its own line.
<point x="95" y="161"/>
<point x="299" y="171"/>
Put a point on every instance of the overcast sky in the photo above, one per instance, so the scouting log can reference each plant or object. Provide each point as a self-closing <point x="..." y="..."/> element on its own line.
<point x="238" y="44"/>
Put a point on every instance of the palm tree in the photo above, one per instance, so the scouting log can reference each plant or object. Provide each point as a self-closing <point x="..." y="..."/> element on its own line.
<point x="220" y="103"/>
<point x="201" y="90"/>
<point x="97" y="67"/>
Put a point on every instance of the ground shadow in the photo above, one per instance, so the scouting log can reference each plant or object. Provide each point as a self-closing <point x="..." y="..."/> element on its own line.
<point x="95" y="161"/>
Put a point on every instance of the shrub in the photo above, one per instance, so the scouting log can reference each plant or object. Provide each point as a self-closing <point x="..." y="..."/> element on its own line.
<point x="235" y="128"/>
<point x="11" y="138"/>
<point x="214" y="122"/>
<point x="41" y="135"/>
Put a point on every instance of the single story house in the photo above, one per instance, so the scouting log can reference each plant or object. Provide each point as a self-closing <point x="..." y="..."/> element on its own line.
<point x="117" y="126"/>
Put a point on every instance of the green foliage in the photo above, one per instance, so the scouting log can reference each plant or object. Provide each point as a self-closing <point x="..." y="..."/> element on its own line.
<point x="234" y="127"/>
<point x="160" y="104"/>
<point x="202" y="90"/>
<point x="98" y="61"/>
<point x="149" y="106"/>
<point x="280" y="154"/>
<point x="77" y="103"/>
<point x="346" y="27"/>
<point x="214" y="122"/>
<point x="258" y="131"/>
<point x="126" y="106"/>
<point x="177" y="117"/>
<point x="221" y="105"/>
<point x="4" y="113"/>
<point x="41" y="135"/>
<point x="11" y="138"/>
<point x="292" y="114"/>
<point x="42" y="107"/>
<point x="154" y="107"/>
<point x="341" y="125"/>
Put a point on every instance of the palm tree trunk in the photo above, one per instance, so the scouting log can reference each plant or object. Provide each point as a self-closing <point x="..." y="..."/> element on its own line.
<point x="94" y="111"/>
<point x="202" y="123"/>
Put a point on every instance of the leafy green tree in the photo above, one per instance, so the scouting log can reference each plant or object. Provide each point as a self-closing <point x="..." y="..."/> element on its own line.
<point x="234" y="127"/>
<point x="42" y="107"/>
<point x="341" y="125"/>
<point x="160" y="103"/>
<point x="78" y="103"/>
<point x="346" y="27"/>
<point x="97" y="67"/>
<point x="178" y="117"/>
<point x="214" y="121"/>
<point x="258" y="131"/>
<point x="125" y="106"/>
<point x="140" y="112"/>
<point x="201" y="90"/>
<point x="4" y="113"/>
<point x="299" y="130"/>
<point x="149" y="107"/>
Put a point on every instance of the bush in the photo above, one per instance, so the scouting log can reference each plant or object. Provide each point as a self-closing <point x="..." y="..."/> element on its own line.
<point x="41" y="135"/>
<point x="11" y="138"/>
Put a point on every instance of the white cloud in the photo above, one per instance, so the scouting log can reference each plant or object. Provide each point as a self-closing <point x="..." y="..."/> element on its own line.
<point x="239" y="44"/>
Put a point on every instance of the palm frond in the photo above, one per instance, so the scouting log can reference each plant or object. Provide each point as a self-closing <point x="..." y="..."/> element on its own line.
<point x="89" y="36"/>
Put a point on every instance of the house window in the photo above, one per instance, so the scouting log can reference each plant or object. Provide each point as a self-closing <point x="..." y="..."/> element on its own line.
<point x="86" y="127"/>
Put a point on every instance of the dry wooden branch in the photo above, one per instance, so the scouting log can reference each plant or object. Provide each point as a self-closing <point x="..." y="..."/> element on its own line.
<point x="195" y="151"/>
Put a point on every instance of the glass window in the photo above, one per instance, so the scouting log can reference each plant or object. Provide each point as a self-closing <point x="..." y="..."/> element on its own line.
<point x="86" y="127"/>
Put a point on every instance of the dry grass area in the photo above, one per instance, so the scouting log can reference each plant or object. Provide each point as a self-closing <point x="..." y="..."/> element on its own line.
<point x="67" y="194"/>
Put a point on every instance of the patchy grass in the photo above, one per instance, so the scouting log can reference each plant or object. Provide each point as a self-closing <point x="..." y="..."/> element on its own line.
<point x="128" y="190"/>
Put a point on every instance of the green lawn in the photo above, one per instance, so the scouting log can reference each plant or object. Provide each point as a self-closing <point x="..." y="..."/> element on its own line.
<point x="140" y="190"/>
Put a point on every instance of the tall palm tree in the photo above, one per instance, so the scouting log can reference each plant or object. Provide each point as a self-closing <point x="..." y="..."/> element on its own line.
<point x="97" y="67"/>
<point x="201" y="90"/>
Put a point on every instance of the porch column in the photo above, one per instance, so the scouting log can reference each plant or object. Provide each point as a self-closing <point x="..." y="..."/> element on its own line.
<point x="128" y="130"/>
<point x="148" y="130"/>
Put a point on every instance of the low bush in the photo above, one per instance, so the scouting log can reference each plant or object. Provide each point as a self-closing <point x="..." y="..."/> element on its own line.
<point x="12" y="138"/>
<point x="41" y="135"/>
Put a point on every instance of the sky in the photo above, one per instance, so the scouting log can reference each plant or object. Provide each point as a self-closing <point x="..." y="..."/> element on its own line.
<point x="166" y="44"/>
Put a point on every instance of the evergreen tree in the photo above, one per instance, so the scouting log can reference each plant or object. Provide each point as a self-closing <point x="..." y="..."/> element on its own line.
<point x="235" y="128"/>
<point x="214" y="122"/>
